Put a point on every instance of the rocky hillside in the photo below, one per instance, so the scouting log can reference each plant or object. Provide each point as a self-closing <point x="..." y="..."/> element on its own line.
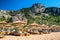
<point x="37" y="12"/>
<point x="53" y="10"/>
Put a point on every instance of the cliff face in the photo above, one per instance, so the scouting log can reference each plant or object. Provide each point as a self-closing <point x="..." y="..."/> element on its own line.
<point x="27" y="14"/>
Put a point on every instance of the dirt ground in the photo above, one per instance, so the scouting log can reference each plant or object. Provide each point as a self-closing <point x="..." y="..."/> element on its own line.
<point x="51" y="36"/>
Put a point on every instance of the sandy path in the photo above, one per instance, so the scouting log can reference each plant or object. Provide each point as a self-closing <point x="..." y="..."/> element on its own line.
<point x="52" y="36"/>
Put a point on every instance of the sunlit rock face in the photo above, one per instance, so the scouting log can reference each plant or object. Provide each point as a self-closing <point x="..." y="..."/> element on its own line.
<point x="19" y="17"/>
<point x="38" y="8"/>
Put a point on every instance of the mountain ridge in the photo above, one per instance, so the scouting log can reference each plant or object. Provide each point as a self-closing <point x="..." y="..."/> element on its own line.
<point x="37" y="12"/>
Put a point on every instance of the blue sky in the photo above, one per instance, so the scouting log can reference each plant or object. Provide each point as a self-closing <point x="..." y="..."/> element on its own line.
<point x="18" y="4"/>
